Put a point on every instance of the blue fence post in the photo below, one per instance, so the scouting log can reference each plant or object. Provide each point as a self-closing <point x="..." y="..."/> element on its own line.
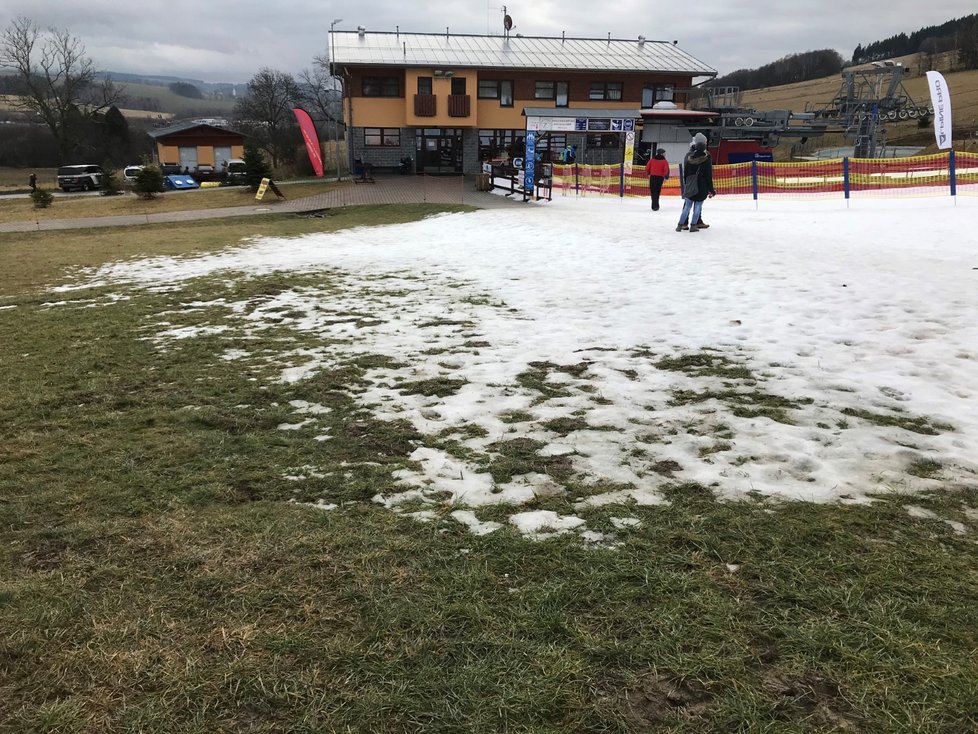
<point x="845" y="176"/>
<point x="952" y="170"/>
<point x="753" y="177"/>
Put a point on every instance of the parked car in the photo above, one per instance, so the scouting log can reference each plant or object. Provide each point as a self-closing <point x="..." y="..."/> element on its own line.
<point x="129" y="173"/>
<point x="170" y="169"/>
<point x="235" y="172"/>
<point x="205" y="173"/>
<point x="83" y="177"/>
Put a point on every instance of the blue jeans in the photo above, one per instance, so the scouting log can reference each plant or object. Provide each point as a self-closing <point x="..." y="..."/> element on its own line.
<point x="696" y="206"/>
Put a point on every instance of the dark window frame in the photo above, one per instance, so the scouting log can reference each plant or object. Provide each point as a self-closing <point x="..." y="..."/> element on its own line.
<point x="425" y="81"/>
<point x="493" y="89"/>
<point x="658" y="92"/>
<point x="566" y="94"/>
<point x="380" y="136"/>
<point x="603" y="91"/>
<point x="540" y="89"/>
<point x="380" y="86"/>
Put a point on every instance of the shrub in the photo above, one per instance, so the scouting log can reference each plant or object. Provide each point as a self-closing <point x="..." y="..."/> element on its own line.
<point x="256" y="165"/>
<point x="42" y="199"/>
<point x="149" y="182"/>
<point x="110" y="181"/>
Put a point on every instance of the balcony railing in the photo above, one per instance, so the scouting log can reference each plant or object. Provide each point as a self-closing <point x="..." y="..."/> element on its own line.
<point x="424" y="105"/>
<point x="458" y="105"/>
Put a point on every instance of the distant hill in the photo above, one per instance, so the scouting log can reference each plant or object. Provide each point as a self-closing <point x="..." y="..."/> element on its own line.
<point x="159" y="80"/>
<point x="156" y="98"/>
<point x="958" y="37"/>
<point x="814" y="94"/>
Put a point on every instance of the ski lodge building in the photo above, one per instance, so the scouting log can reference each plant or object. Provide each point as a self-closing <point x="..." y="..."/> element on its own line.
<point x="452" y="102"/>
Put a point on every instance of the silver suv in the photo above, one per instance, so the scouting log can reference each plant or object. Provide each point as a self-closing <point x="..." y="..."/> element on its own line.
<point x="86" y="178"/>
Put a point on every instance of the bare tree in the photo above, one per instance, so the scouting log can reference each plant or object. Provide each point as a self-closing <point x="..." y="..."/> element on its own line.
<point x="323" y="92"/>
<point x="266" y="113"/>
<point x="60" y="83"/>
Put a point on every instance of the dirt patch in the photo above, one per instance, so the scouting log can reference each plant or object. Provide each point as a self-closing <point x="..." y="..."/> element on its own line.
<point x="661" y="699"/>
<point x="814" y="699"/>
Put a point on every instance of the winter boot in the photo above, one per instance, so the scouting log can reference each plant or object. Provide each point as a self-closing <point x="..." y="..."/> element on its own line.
<point x="694" y="228"/>
<point x="680" y="228"/>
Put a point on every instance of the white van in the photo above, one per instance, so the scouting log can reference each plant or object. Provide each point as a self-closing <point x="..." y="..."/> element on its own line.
<point x="129" y="173"/>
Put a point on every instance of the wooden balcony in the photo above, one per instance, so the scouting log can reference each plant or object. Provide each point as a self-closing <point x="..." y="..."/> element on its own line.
<point x="458" y="105"/>
<point x="424" y="105"/>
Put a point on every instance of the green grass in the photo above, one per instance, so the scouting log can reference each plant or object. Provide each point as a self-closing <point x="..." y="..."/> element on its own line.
<point x="155" y="575"/>
<point x="81" y="207"/>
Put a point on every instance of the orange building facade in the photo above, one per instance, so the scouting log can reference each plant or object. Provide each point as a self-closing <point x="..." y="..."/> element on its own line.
<point x="451" y="103"/>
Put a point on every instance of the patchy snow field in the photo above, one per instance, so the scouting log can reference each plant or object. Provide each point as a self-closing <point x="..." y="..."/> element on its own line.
<point x="803" y="349"/>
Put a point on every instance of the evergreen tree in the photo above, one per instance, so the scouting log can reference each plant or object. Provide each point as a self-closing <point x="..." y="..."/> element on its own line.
<point x="256" y="165"/>
<point x="149" y="182"/>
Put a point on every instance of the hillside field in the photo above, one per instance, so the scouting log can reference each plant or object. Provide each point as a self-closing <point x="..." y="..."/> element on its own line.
<point x="816" y="93"/>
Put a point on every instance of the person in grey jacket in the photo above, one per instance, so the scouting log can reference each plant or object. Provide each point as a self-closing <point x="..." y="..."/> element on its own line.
<point x="697" y="183"/>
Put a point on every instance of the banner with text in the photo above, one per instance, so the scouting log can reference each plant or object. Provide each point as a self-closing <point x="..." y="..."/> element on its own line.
<point x="940" y="99"/>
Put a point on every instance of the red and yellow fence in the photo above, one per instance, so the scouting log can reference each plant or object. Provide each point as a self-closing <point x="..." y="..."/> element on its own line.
<point x="941" y="174"/>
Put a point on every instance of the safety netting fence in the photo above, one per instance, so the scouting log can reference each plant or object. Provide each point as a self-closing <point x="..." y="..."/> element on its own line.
<point x="942" y="174"/>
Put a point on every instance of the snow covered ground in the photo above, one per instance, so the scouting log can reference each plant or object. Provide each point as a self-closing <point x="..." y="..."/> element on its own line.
<point x="801" y="349"/>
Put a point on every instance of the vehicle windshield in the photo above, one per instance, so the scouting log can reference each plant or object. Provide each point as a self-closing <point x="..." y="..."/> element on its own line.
<point x="70" y="170"/>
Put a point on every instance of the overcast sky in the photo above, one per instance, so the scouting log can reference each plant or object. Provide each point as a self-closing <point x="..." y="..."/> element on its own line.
<point x="229" y="40"/>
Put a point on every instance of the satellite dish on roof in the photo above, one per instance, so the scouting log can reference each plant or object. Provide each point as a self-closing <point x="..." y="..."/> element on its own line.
<point x="507" y="23"/>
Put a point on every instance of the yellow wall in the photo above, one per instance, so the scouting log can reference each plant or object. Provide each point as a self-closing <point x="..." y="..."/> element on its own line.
<point x="377" y="112"/>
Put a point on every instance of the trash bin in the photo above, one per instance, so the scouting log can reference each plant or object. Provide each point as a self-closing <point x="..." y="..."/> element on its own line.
<point x="483" y="182"/>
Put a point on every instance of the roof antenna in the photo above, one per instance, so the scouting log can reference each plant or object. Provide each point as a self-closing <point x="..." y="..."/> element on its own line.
<point x="609" y="38"/>
<point x="563" y="36"/>
<point x="397" y="31"/>
<point x="446" y="31"/>
<point x="507" y="22"/>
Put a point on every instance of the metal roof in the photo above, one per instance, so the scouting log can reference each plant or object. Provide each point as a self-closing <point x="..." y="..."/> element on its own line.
<point x="183" y="126"/>
<point x="353" y="48"/>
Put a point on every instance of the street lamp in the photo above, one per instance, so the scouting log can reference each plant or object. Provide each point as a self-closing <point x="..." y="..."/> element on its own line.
<point x="332" y="73"/>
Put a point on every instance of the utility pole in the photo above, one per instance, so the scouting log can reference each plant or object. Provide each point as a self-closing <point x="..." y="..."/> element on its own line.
<point x="332" y="74"/>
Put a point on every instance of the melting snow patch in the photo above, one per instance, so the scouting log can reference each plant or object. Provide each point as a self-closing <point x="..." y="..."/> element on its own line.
<point x="474" y="524"/>
<point x="186" y="332"/>
<point x="295" y="426"/>
<point x="920" y="512"/>
<point x="531" y="523"/>
<point x="625" y="522"/>
<point x="302" y="407"/>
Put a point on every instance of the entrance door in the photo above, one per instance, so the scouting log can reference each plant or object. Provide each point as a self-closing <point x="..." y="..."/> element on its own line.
<point x="188" y="157"/>
<point x="440" y="150"/>
<point x="222" y="154"/>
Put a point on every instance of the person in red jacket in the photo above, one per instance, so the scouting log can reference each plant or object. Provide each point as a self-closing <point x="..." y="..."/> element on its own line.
<point x="657" y="170"/>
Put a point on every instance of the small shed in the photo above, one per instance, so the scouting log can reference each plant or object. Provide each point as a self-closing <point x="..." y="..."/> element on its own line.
<point x="193" y="144"/>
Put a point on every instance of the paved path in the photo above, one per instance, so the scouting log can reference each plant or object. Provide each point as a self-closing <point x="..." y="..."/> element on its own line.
<point x="392" y="190"/>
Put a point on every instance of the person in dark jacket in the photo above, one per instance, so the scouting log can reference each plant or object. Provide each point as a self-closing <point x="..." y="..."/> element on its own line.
<point x="699" y="222"/>
<point x="697" y="183"/>
<point x="657" y="170"/>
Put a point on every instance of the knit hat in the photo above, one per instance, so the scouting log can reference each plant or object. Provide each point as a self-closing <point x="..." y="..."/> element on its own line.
<point x="699" y="141"/>
<point x="660" y="151"/>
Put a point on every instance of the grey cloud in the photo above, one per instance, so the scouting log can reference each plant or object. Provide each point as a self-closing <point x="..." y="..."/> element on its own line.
<point x="226" y="40"/>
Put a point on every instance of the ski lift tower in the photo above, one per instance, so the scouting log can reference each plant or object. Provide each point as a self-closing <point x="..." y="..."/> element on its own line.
<point x="868" y="98"/>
